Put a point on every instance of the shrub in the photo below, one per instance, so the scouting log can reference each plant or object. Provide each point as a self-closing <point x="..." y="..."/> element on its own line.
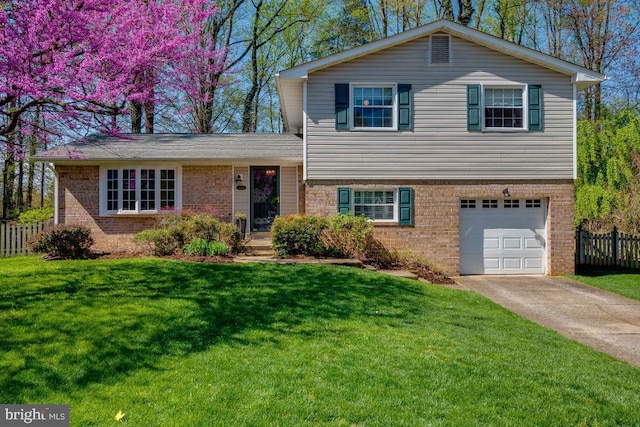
<point x="175" y="231"/>
<point x="196" y="247"/>
<point x="348" y="235"/>
<point x="231" y="235"/>
<point x="63" y="242"/>
<point x="160" y="242"/>
<point x="218" y="248"/>
<point x="34" y="216"/>
<point x="298" y="235"/>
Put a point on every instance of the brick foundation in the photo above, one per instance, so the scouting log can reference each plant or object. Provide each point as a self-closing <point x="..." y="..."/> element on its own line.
<point x="435" y="233"/>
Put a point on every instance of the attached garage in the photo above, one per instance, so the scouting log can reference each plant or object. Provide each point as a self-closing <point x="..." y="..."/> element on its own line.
<point x="503" y="236"/>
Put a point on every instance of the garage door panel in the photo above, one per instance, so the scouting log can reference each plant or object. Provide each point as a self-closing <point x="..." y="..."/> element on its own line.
<point x="512" y="243"/>
<point x="503" y="240"/>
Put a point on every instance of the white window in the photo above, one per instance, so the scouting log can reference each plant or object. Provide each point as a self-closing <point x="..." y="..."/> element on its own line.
<point x="378" y="205"/>
<point x="373" y="106"/>
<point x="504" y="107"/>
<point x="139" y="190"/>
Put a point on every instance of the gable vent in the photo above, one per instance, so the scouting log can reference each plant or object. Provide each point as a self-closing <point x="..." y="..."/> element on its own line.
<point x="440" y="49"/>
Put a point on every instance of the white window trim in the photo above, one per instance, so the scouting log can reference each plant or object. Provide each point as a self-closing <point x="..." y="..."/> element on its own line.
<point x="137" y="211"/>
<point x="525" y="107"/>
<point x="394" y="86"/>
<point x="395" y="204"/>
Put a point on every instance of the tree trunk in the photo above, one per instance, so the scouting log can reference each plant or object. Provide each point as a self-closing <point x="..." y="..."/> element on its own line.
<point x="136" y="116"/>
<point x="466" y="10"/>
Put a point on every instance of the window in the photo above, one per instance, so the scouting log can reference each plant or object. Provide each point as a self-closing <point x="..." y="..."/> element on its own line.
<point x="500" y="108"/>
<point x="512" y="204"/>
<point x="503" y="108"/>
<point x="379" y="205"/>
<point x="134" y="190"/>
<point x="533" y="203"/>
<point x="490" y="204"/>
<point x="376" y="205"/>
<point x="373" y="106"/>
<point x="467" y="204"/>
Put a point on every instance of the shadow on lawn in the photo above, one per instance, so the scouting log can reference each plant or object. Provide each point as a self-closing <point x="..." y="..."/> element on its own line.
<point x="102" y="320"/>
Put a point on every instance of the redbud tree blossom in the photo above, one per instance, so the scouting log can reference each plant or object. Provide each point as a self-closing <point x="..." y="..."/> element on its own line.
<point x="85" y="59"/>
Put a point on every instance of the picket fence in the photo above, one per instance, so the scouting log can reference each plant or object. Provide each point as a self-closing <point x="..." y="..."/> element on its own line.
<point x="13" y="237"/>
<point x="613" y="249"/>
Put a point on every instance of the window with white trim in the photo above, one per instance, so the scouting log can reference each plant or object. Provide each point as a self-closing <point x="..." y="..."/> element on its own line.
<point x="373" y="106"/>
<point x="376" y="205"/>
<point x="504" y="107"/>
<point x="138" y="190"/>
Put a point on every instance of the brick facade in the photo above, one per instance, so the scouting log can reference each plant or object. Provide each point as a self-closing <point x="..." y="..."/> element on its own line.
<point x="79" y="191"/>
<point x="435" y="233"/>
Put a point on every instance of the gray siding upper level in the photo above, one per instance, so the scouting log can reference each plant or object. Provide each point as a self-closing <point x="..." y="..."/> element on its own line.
<point x="439" y="146"/>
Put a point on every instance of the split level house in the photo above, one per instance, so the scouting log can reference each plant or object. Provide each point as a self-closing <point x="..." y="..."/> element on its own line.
<point x="458" y="145"/>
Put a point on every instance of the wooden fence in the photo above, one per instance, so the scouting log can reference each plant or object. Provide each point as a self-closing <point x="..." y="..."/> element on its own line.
<point x="613" y="249"/>
<point x="13" y="237"/>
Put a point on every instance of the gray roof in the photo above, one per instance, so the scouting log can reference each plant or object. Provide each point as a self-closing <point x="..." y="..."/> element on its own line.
<point x="209" y="148"/>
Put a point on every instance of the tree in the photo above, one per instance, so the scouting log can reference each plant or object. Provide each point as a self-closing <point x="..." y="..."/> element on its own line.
<point x="83" y="59"/>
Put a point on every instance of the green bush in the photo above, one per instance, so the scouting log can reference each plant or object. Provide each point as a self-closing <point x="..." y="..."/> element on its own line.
<point x="348" y="235"/>
<point x="201" y="247"/>
<point x="196" y="247"/>
<point x="175" y="232"/>
<point x="35" y="216"/>
<point x="231" y="235"/>
<point x="160" y="242"/>
<point x="63" y="242"/>
<point x="298" y="235"/>
<point x="218" y="248"/>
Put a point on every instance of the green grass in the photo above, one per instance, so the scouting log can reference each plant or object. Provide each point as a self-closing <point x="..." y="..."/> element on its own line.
<point x="173" y="343"/>
<point x="622" y="282"/>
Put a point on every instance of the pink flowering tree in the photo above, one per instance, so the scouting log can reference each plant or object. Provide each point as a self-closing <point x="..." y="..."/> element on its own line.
<point x="88" y="60"/>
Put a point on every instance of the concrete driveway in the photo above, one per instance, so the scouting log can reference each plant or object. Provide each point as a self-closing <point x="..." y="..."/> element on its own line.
<point x="599" y="319"/>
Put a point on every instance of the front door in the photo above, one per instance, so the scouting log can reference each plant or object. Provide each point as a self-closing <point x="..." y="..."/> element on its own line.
<point x="265" y="196"/>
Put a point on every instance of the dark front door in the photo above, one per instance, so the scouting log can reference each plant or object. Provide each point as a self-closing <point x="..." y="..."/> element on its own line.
<point x="265" y="196"/>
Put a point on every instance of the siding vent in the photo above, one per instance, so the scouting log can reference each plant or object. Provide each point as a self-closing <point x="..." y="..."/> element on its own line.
<point x="440" y="49"/>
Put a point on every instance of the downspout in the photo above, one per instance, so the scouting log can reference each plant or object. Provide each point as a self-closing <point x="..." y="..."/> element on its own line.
<point x="304" y="130"/>
<point x="56" y="204"/>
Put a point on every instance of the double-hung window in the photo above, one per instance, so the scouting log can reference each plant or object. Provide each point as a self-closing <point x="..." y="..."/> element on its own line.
<point x="139" y="190"/>
<point x="374" y="106"/>
<point x="375" y="205"/>
<point x="503" y="108"/>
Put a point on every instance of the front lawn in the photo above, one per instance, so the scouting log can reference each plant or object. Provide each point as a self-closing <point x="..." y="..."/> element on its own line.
<point x="173" y="343"/>
<point x="622" y="282"/>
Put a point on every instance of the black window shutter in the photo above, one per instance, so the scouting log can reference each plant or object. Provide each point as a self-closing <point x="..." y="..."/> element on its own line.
<point x="405" y="206"/>
<point x="405" y="107"/>
<point x="535" y="107"/>
<point x="344" y="200"/>
<point x="342" y="106"/>
<point x="474" y="105"/>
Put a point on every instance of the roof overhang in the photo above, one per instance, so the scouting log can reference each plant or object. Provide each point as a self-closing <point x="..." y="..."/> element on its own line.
<point x="290" y="82"/>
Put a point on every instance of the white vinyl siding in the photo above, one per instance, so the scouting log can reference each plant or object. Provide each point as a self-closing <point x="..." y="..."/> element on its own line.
<point x="288" y="190"/>
<point x="241" y="196"/>
<point x="440" y="146"/>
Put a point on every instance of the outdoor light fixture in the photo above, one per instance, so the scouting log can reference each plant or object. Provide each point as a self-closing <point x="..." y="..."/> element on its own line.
<point x="239" y="177"/>
<point x="506" y="193"/>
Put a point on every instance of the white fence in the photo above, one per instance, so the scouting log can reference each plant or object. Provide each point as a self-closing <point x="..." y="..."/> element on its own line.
<point x="13" y="237"/>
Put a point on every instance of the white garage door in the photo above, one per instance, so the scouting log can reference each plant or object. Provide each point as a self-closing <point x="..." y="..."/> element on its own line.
<point x="502" y="236"/>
